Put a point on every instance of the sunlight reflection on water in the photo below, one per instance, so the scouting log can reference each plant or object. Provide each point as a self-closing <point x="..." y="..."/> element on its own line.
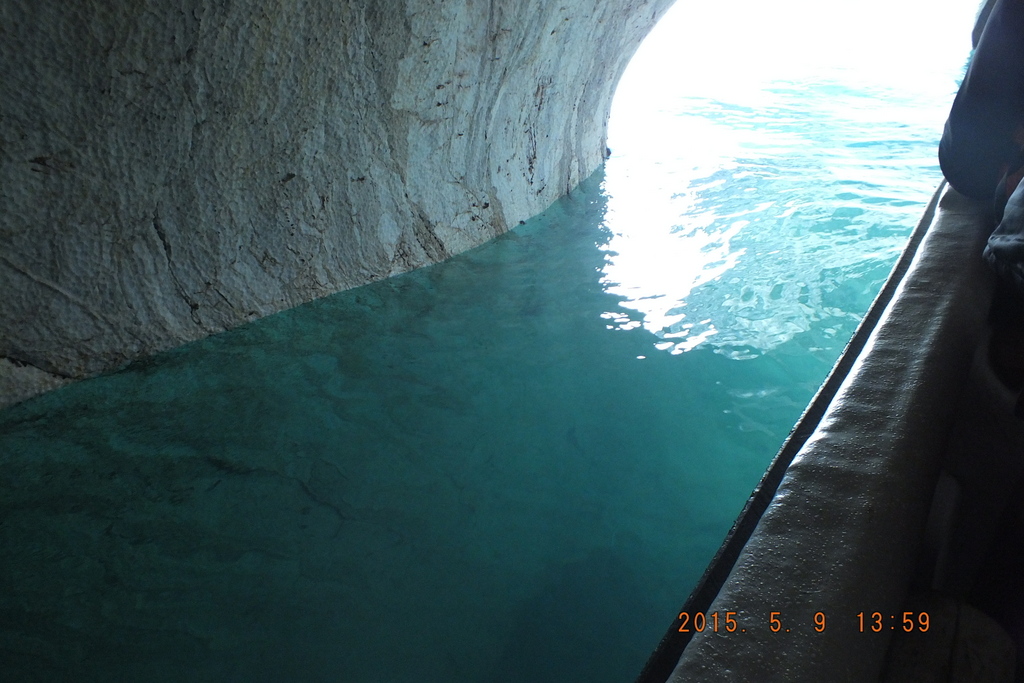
<point x="767" y="189"/>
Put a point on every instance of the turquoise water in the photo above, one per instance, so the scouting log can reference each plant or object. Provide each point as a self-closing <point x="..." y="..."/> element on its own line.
<point x="509" y="467"/>
<point x="449" y="474"/>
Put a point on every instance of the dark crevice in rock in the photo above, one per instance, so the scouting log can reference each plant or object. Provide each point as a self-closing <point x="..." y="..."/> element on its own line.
<point x="423" y="228"/>
<point x="21" y="363"/>
<point x="193" y="305"/>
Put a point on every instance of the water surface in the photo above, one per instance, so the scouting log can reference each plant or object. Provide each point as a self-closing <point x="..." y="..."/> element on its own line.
<point x="509" y="467"/>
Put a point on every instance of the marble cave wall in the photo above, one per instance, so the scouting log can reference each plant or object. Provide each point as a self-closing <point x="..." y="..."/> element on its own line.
<point x="169" y="170"/>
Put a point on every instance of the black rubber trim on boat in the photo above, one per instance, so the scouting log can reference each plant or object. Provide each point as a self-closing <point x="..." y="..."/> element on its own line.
<point x="666" y="656"/>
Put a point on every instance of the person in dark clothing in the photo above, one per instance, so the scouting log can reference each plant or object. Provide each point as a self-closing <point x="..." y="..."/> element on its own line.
<point x="1005" y="248"/>
<point x="984" y="133"/>
<point x="982" y="156"/>
<point x="1005" y="254"/>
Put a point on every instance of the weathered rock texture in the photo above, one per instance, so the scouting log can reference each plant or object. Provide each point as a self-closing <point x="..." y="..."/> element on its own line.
<point x="169" y="170"/>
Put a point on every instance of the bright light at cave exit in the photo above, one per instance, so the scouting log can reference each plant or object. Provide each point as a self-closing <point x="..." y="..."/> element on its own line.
<point x="739" y="56"/>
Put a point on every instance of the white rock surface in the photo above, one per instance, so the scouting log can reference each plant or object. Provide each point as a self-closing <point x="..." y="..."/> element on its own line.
<point x="169" y="170"/>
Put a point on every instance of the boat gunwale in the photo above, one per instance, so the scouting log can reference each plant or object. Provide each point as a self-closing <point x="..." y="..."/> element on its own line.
<point x="664" y="659"/>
